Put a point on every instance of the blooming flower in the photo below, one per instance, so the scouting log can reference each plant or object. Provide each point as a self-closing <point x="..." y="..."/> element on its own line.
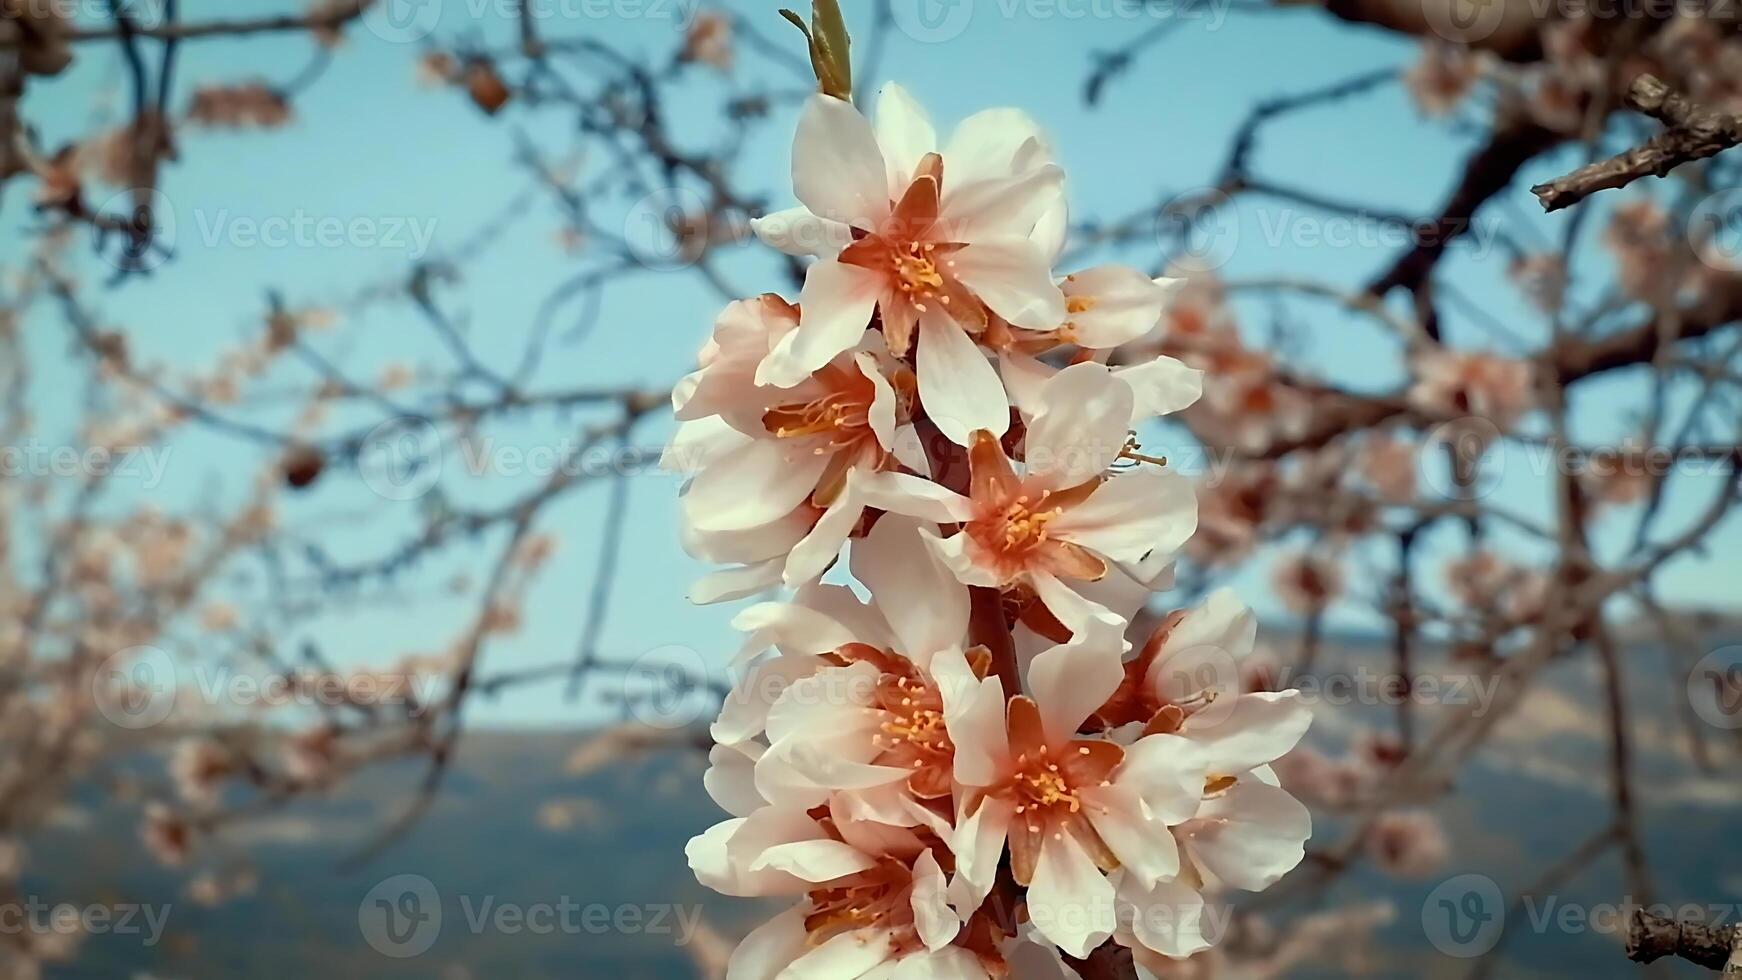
<point x="1060" y="518"/>
<point x="1070" y="808"/>
<point x="935" y="243"/>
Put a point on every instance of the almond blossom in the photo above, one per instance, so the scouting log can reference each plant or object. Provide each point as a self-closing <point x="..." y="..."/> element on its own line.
<point x="1063" y="517"/>
<point x="936" y="747"/>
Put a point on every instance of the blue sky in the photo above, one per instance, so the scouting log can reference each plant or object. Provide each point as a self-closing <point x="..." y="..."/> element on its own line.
<point x="370" y="143"/>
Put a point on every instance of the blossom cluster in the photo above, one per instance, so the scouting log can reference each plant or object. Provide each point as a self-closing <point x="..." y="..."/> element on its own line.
<point x="962" y="768"/>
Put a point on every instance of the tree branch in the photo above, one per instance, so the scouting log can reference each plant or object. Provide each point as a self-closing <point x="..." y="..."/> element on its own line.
<point x="1691" y="133"/>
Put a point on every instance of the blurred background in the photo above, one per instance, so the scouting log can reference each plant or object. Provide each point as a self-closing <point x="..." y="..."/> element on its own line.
<point x="343" y="615"/>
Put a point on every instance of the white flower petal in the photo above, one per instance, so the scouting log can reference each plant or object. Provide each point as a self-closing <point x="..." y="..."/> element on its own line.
<point x="957" y="384"/>
<point x="1070" y="900"/>
<point x="796" y="231"/>
<point x="769" y="947"/>
<point x="906" y="135"/>
<point x="933" y="918"/>
<point x="1069" y="682"/>
<point x="1132" y="515"/>
<point x="1013" y="279"/>
<point x="837" y="166"/>
<point x="1249" y="836"/>
<point x="987" y="145"/>
<point x="1161" y="387"/>
<point x="1261" y="728"/>
<point x="1121" y="303"/>
<point x="930" y="607"/>
<point x="1168" y="917"/>
<point x="1136" y="837"/>
<point x="835" y="306"/>
<point x="758" y="484"/>
<point x="1168" y="772"/>
<point x="1080" y="429"/>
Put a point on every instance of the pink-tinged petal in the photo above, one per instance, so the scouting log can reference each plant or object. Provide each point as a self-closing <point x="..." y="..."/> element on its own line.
<point x="790" y="626"/>
<point x="1069" y="900"/>
<point x="800" y="775"/>
<point x="837" y="167"/>
<point x="814" y="552"/>
<point x="957" y="384"/>
<point x="1168" y="917"/>
<point x="721" y="857"/>
<point x="1051" y="230"/>
<point x="991" y="144"/>
<point x="1091" y="624"/>
<point x="1133" y="514"/>
<point x="814" y="860"/>
<point x="699" y="443"/>
<point x="876" y="838"/>
<point x="1248" y="836"/>
<point x="834" y="308"/>
<point x="903" y="493"/>
<point x="751" y="544"/>
<point x="1013" y="279"/>
<point x="758" y="484"/>
<point x="933" y="918"/>
<point x="731" y="778"/>
<point x="974" y="717"/>
<point x="882" y="412"/>
<point x="1221" y="621"/>
<point x="1168" y="772"/>
<point x="1024" y="378"/>
<point x="1261" y="728"/>
<point x="978" y="845"/>
<point x="1003" y="207"/>
<point x="953" y="552"/>
<point x="1080" y="429"/>
<point x="735" y="583"/>
<point x="905" y="133"/>
<point x="709" y="855"/>
<point x="798" y="232"/>
<point x="1161" y="387"/>
<point x="832" y="701"/>
<point x="926" y="607"/>
<point x="842" y="605"/>
<point x="744" y="713"/>
<point x="1115" y="304"/>
<point x="909" y="450"/>
<point x="1069" y="683"/>
<point x="1136" y="837"/>
<point x="744" y="333"/>
<point x="769" y="948"/>
<point x="847" y="956"/>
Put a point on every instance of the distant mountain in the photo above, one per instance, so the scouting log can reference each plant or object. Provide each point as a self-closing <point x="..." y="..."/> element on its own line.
<point x="527" y="824"/>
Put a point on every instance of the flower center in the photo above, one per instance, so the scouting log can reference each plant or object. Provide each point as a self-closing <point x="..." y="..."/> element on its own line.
<point x="916" y="271"/>
<point x="1046" y="787"/>
<point x="841" y="413"/>
<point x="870" y="898"/>
<point x="1019" y="528"/>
